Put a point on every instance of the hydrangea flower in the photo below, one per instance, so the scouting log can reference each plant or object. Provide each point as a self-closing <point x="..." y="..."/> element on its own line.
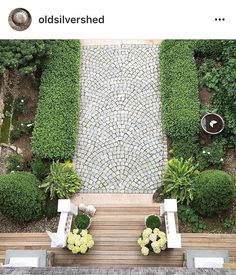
<point x="76" y="250"/>
<point x="83" y="248"/>
<point x="147" y="232"/>
<point x="90" y="244"/>
<point x="84" y="233"/>
<point x="145" y="251"/>
<point x="156" y="231"/>
<point x="155" y="244"/>
<point x="146" y="241"/>
<point x="153" y="237"/>
<point x="76" y="231"/>
<point x="157" y="250"/>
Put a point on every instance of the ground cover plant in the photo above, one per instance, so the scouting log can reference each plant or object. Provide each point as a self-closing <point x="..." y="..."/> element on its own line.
<point x="56" y="122"/>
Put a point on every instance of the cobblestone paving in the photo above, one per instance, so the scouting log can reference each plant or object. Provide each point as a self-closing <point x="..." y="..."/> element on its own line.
<point x="121" y="145"/>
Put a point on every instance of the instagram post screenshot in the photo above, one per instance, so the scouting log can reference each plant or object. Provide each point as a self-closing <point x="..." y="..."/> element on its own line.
<point x="118" y="137"/>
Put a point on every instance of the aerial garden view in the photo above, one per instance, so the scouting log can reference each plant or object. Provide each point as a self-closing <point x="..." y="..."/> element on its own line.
<point x="125" y="149"/>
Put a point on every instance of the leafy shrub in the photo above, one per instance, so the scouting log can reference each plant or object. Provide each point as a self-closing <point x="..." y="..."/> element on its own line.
<point x="228" y="223"/>
<point x="39" y="168"/>
<point x="15" y="134"/>
<point x="179" y="92"/>
<point x="20" y="105"/>
<point x="153" y="221"/>
<point x="21" y="200"/>
<point x="220" y="78"/>
<point x="25" y="55"/>
<point x="185" y="147"/>
<point x="14" y="163"/>
<point x="189" y="217"/>
<point x="55" y="130"/>
<point x="62" y="182"/>
<point x="82" y="221"/>
<point x="209" y="47"/>
<point x="26" y="127"/>
<point x="212" y="155"/>
<point x="51" y="208"/>
<point x="179" y="179"/>
<point x="21" y="129"/>
<point x="214" y="192"/>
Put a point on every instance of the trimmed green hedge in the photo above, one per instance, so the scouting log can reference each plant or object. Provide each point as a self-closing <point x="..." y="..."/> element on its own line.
<point x="55" y="130"/>
<point x="179" y="92"/>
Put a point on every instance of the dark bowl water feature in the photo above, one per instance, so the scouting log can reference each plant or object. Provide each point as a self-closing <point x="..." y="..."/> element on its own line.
<point x="212" y="123"/>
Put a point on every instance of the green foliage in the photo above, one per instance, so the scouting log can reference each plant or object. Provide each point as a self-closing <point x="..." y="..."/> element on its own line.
<point x="189" y="217"/>
<point x="51" y="208"/>
<point x="55" y="131"/>
<point x="212" y="48"/>
<point x="21" y="200"/>
<point x="185" y="147"/>
<point x="15" y="134"/>
<point x="24" y="128"/>
<point x="14" y="163"/>
<point x="21" y="105"/>
<point x="153" y="221"/>
<point x="228" y="223"/>
<point x="179" y="179"/>
<point x="212" y="155"/>
<point x="62" y="182"/>
<point x="220" y="78"/>
<point x="179" y="93"/>
<point x="39" y="168"/>
<point x="214" y="192"/>
<point x="24" y="55"/>
<point x="82" y="221"/>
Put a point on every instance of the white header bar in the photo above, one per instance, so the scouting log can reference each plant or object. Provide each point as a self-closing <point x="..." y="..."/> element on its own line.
<point x="123" y="19"/>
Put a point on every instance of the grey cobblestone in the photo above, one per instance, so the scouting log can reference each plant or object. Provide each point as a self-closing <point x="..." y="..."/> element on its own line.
<point x="121" y="144"/>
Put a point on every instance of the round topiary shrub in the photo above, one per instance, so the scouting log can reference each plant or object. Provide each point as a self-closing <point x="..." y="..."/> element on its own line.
<point x="214" y="192"/>
<point x="82" y="221"/>
<point x="21" y="199"/>
<point x="152" y="221"/>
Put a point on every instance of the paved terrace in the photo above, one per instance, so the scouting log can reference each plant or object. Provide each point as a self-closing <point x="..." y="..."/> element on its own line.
<point x="121" y="144"/>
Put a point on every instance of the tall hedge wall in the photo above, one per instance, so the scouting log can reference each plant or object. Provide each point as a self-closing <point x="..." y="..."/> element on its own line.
<point x="55" y="130"/>
<point x="179" y="92"/>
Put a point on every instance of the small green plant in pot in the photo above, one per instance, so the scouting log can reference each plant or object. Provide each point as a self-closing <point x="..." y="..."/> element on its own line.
<point x="152" y="221"/>
<point x="82" y="221"/>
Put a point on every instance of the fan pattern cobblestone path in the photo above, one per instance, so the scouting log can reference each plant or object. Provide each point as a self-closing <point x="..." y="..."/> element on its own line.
<point x="121" y="144"/>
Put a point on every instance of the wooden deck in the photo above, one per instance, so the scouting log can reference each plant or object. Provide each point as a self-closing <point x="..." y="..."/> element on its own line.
<point x="116" y="227"/>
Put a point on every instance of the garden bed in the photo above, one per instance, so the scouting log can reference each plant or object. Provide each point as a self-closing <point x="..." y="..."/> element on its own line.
<point x="7" y="226"/>
<point x="211" y="67"/>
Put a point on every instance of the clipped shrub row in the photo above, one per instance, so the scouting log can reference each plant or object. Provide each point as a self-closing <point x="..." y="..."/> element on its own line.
<point x="55" y="130"/>
<point x="179" y="92"/>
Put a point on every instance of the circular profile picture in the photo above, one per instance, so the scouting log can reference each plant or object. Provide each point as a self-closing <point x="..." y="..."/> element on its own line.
<point x="19" y="19"/>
